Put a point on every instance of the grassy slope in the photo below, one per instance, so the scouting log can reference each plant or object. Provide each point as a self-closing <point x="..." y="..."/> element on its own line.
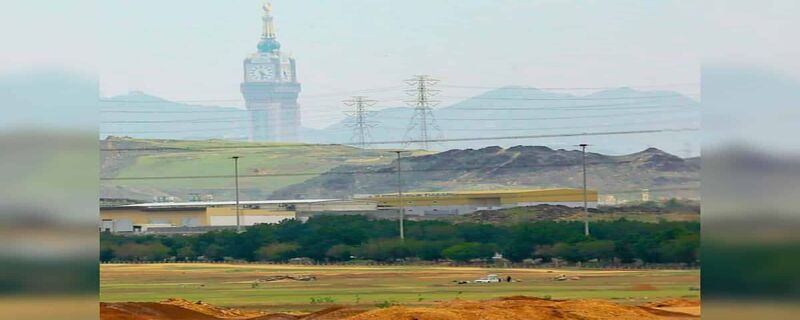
<point x="197" y="159"/>
<point x="230" y="285"/>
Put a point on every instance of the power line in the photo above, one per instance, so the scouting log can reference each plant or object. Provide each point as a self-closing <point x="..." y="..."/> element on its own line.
<point x="230" y="109"/>
<point x="615" y="106"/>
<point x="561" y="135"/>
<point x="222" y="110"/>
<point x="178" y="131"/>
<point x="396" y="142"/>
<point x="569" y="99"/>
<point x="534" y="129"/>
<point x="296" y="174"/>
<point x="353" y="117"/>
<point x="202" y="120"/>
<point x="670" y="85"/>
<point x="389" y="88"/>
<point x="553" y="118"/>
<point x="355" y="139"/>
<point x="328" y="94"/>
<point x="589" y="107"/>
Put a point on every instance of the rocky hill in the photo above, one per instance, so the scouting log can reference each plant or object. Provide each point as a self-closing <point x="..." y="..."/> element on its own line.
<point x="664" y="174"/>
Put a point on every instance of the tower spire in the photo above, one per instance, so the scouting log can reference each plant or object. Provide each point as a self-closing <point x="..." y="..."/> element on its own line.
<point x="268" y="42"/>
<point x="269" y="28"/>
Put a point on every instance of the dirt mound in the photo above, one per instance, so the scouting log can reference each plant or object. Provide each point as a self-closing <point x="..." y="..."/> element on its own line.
<point x="691" y="307"/>
<point x="202" y="307"/>
<point x="149" y="311"/>
<point x="330" y="313"/>
<point x="525" y="298"/>
<point x="674" y="303"/>
<point x="333" y="313"/>
<point x="514" y="308"/>
<point x="278" y="316"/>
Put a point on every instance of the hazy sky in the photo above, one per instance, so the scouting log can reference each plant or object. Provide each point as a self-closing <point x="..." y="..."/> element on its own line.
<point x="192" y="50"/>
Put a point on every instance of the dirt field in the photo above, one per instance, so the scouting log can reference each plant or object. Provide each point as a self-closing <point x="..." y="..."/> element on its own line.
<point x="512" y="308"/>
<point x="238" y="286"/>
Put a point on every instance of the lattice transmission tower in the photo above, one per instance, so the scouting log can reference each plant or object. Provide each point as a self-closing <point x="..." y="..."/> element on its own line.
<point x="359" y="120"/>
<point x="422" y="128"/>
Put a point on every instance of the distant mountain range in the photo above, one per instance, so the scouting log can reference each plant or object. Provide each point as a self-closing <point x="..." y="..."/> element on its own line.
<point x="140" y="115"/>
<point x="524" y="111"/>
<point x="502" y="113"/>
<point x="664" y="174"/>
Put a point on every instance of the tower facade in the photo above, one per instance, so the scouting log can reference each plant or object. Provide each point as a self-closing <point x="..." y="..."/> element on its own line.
<point x="270" y="88"/>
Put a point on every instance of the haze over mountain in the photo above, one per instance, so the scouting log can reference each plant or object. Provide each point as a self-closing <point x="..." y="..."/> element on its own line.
<point x="140" y="115"/>
<point x="48" y="98"/>
<point x="524" y="111"/>
<point x="502" y="112"/>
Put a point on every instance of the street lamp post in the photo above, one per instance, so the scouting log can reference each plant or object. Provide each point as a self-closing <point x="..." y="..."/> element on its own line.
<point x="236" y="182"/>
<point x="400" y="196"/>
<point x="585" y="202"/>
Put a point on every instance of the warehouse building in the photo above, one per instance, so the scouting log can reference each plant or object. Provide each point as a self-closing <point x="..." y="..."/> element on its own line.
<point x="152" y="217"/>
<point x="461" y="202"/>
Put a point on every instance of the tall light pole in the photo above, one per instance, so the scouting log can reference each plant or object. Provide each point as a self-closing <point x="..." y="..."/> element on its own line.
<point x="585" y="202"/>
<point x="236" y="182"/>
<point x="400" y="196"/>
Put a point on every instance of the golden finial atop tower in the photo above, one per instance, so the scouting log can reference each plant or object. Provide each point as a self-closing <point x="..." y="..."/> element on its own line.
<point x="268" y="28"/>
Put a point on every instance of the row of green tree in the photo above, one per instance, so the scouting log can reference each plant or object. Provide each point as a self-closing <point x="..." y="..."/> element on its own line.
<point x="341" y="238"/>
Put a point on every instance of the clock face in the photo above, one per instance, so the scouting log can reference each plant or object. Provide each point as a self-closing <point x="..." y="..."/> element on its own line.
<point x="260" y="72"/>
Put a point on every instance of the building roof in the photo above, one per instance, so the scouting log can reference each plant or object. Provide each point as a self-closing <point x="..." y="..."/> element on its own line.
<point x="479" y="192"/>
<point x="220" y="203"/>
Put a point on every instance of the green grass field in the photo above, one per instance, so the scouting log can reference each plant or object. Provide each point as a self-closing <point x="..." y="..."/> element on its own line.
<point x="232" y="285"/>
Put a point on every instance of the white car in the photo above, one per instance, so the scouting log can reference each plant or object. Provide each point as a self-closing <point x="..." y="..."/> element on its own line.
<point x="492" y="278"/>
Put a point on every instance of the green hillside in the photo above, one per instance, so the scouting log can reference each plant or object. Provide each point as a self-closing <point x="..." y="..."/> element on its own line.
<point x="263" y="167"/>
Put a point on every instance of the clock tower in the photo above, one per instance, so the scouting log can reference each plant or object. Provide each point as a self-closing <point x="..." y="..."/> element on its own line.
<point x="270" y="89"/>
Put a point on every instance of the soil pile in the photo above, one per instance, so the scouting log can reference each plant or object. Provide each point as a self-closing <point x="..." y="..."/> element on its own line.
<point x="202" y="307"/>
<point x="330" y="313"/>
<point x="512" y="308"/>
<point x="674" y="303"/>
<point x="684" y="306"/>
<point x="521" y="308"/>
<point x="333" y="313"/>
<point x="277" y="316"/>
<point x="149" y="311"/>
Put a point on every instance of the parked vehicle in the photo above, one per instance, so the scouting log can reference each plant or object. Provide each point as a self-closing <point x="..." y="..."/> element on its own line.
<point x="492" y="278"/>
